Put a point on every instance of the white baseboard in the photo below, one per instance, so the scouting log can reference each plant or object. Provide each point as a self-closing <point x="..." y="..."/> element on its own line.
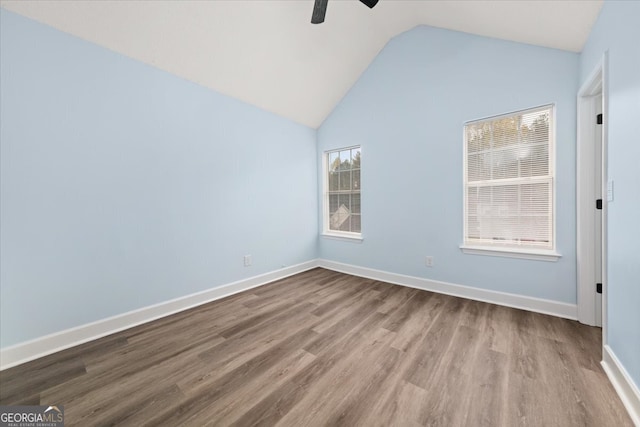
<point x="42" y="346"/>
<point x="539" y="305"/>
<point x="622" y="382"/>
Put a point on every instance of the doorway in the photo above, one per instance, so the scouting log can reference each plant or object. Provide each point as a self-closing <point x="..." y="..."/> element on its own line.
<point x="592" y="198"/>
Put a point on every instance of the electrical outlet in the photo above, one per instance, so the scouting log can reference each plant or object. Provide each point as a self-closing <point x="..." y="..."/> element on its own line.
<point x="247" y="260"/>
<point x="428" y="261"/>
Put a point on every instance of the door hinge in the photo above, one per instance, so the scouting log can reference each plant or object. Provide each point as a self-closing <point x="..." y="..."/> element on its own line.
<point x="599" y="204"/>
<point x="599" y="119"/>
<point x="599" y="288"/>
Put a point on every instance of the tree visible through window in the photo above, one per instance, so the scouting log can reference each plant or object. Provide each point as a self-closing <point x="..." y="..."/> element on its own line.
<point x="509" y="180"/>
<point x="342" y="194"/>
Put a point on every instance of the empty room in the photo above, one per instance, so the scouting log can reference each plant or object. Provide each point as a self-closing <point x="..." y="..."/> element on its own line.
<point x="319" y="213"/>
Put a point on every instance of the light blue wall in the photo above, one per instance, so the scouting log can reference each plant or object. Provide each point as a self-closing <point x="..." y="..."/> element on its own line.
<point x="618" y="31"/>
<point x="124" y="186"/>
<point x="407" y="111"/>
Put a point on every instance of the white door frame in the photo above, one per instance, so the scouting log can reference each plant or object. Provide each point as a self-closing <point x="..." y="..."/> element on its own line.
<point x="594" y="85"/>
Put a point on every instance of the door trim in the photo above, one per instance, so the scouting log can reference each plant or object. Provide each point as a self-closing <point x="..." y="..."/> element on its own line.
<point x="594" y="85"/>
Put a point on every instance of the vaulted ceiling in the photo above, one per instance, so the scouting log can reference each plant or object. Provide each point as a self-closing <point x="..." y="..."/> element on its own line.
<point x="267" y="53"/>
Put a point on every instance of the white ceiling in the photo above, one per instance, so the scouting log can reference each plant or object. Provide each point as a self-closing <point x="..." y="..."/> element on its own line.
<point x="268" y="54"/>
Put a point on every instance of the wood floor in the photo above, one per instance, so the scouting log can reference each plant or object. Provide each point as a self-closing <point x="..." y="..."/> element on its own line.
<point x="323" y="348"/>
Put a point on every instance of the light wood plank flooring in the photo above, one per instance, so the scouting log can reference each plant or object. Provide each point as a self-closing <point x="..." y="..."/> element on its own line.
<point x="323" y="348"/>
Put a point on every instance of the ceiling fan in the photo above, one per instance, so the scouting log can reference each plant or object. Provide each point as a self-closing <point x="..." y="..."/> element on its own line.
<point x="320" y="9"/>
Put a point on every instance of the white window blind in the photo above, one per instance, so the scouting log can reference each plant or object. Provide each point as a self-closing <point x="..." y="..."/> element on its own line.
<point x="342" y="192"/>
<point x="509" y="181"/>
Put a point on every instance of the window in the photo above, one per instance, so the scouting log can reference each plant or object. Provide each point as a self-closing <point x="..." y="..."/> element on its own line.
<point x="509" y="183"/>
<point x="342" y="193"/>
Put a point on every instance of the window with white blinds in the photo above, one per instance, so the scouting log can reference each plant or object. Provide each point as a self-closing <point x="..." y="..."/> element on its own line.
<point x="509" y="181"/>
<point x="342" y="214"/>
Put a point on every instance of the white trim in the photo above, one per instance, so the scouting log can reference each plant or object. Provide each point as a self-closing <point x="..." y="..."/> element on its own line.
<point x="541" y="255"/>
<point x="550" y="177"/>
<point x="622" y="383"/>
<point x="538" y="305"/>
<point x="594" y="85"/>
<point x="42" y="346"/>
<point x="509" y="114"/>
<point x="326" y="231"/>
<point x="605" y="208"/>
<point x="351" y="237"/>
<point x="39" y="347"/>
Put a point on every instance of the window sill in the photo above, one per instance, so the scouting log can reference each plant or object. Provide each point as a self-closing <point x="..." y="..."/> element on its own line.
<point x="538" y="255"/>
<point x="354" y="238"/>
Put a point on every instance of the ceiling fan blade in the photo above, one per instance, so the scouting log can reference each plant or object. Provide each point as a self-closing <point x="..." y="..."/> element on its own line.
<point x="369" y="3"/>
<point x="319" y="11"/>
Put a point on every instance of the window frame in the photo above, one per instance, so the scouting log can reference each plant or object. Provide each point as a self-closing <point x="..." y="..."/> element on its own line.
<point x="500" y="250"/>
<point x="326" y="231"/>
